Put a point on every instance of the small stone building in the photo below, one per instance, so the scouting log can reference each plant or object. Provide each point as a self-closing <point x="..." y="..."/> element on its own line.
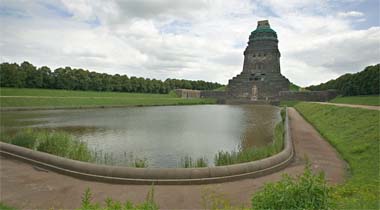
<point x="186" y="93"/>
<point x="261" y="78"/>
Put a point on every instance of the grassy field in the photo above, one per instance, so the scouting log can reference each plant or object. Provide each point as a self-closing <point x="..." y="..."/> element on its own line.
<point x="373" y="100"/>
<point x="355" y="134"/>
<point x="21" y="97"/>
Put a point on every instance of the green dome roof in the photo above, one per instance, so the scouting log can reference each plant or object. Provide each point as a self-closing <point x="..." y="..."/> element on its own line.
<point x="263" y="32"/>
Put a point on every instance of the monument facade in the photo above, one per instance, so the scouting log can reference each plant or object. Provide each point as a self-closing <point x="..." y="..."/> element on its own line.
<point x="261" y="78"/>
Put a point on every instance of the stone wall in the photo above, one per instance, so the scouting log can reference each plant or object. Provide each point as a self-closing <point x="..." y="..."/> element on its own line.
<point x="186" y="93"/>
<point x="308" y="95"/>
<point x="213" y="94"/>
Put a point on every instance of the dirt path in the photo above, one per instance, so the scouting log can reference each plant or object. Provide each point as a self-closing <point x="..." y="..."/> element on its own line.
<point x="25" y="187"/>
<point x="351" y="105"/>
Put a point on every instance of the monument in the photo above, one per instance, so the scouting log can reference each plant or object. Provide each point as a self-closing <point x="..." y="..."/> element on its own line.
<point x="261" y="81"/>
<point x="261" y="78"/>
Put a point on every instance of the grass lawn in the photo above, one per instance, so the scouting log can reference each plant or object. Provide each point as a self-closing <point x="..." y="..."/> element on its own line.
<point x="288" y="103"/>
<point x="355" y="134"/>
<point x="24" y="97"/>
<point x="372" y="100"/>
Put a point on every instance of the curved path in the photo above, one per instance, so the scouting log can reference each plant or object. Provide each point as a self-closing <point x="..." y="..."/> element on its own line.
<point x="351" y="105"/>
<point x="27" y="187"/>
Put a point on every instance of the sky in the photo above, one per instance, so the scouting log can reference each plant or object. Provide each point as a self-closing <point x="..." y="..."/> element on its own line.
<point x="190" y="39"/>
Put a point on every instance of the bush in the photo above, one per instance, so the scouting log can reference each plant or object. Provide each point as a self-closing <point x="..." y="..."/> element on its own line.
<point x="307" y="191"/>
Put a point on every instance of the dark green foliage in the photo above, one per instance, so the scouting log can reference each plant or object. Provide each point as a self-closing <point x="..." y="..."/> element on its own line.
<point x="110" y="204"/>
<point x="28" y="76"/>
<point x="366" y="82"/>
<point x="294" y="87"/>
<point x="307" y="191"/>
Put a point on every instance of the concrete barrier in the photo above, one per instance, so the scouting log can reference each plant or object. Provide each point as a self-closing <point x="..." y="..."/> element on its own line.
<point x="129" y="175"/>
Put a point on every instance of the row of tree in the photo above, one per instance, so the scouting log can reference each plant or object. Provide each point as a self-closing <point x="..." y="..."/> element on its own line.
<point x="28" y="76"/>
<point x="366" y="82"/>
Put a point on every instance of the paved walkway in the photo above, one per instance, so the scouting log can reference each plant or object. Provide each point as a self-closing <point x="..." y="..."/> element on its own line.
<point x="351" y="105"/>
<point x="26" y="187"/>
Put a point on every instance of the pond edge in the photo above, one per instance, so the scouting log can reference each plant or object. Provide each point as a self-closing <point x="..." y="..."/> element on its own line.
<point x="170" y="176"/>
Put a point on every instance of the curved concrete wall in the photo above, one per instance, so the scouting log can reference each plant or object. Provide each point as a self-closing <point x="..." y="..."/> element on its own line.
<point x="119" y="174"/>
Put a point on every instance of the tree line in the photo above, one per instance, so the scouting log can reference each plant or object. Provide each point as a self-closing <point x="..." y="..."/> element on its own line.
<point x="366" y="82"/>
<point x="27" y="75"/>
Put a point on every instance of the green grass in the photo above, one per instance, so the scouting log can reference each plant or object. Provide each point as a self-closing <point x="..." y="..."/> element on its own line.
<point x="288" y="103"/>
<point x="22" y="97"/>
<point x="253" y="153"/>
<point x="111" y="204"/>
<point x="223" y="88"/>
<point x="373" y="100"/>
<point x="5" y="207"/>
<point x="355" y="134"/>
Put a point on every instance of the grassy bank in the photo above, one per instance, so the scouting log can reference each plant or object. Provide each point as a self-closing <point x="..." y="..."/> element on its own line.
<point x="21" y="97"/>
<point x="65" y="145"/>
<point x="373" y="100"/>
<point x="355" y="134"/>
<point x="251" y="154"/>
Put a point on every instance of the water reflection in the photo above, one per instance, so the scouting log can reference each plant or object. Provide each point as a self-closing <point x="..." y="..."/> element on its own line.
<point x="161" y="134"/>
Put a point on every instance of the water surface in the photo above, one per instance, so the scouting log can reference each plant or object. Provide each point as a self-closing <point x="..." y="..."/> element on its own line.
<point x="162" y="135"/>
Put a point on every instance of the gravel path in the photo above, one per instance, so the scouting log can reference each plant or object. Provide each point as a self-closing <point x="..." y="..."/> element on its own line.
<point x="351" y="105"/>
<point x="26" y="187"/>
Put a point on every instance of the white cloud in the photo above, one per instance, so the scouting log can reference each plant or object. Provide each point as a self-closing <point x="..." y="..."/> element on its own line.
<point x="350" y="14"/>
<point x="200" y="39"/>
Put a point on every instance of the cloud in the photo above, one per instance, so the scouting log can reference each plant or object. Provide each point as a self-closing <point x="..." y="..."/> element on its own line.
<point x="199" y="39"/>
<point x="350" y="14"/>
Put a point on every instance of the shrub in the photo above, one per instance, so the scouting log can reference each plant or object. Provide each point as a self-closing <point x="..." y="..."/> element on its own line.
<point x="307" y="191"/>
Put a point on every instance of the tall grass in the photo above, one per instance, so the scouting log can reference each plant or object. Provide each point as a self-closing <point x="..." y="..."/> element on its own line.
<point x="188" y="162"/>
<point x="65" y="145"/>
<point x="253" y="153"/>
<point x="111" y="204"/>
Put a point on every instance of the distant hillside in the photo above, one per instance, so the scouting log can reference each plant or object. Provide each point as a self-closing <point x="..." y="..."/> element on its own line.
<point x="366" y="82"/>
<point x="27" y="75"/>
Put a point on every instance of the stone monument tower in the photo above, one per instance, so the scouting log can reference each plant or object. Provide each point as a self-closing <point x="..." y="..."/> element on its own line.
<point x="261" y="78"/>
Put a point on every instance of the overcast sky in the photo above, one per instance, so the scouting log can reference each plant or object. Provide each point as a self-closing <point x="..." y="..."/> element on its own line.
<point x="194" y="39"/>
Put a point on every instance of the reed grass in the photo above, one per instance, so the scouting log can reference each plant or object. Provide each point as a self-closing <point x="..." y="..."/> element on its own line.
<point x="253" y="153"/>
<point x="188" y="162"/>
<point x="65" y="145"/>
